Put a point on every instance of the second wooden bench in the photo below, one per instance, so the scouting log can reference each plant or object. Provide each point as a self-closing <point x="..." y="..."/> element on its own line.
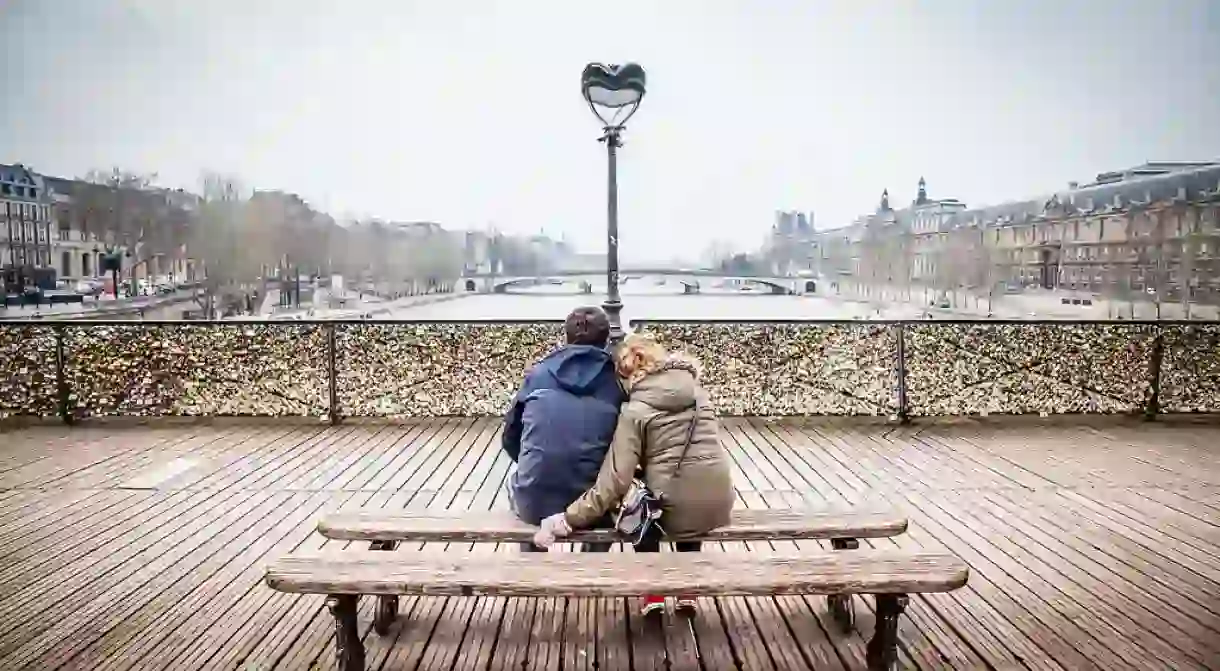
<point x="889" y="575"/>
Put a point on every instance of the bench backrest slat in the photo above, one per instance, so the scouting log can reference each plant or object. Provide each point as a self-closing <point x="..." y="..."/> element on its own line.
<point x="618" y="574"/>
<point x="491" y="526"/>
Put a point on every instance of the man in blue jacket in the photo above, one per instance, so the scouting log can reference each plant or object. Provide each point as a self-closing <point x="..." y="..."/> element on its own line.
<point x="562" y="421"/>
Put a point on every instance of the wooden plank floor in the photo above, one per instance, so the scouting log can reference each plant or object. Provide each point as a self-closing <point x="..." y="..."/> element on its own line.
<point x="1093" y="545"/>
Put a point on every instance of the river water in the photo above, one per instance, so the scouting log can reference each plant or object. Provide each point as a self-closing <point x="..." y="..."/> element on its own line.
<point x="658" y="303"/>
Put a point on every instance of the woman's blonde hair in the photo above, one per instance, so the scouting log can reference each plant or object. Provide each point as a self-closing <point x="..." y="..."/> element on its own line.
<point x="638" y="356"/>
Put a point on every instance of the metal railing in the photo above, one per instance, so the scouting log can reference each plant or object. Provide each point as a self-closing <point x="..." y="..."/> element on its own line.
<point x="393" y="369"/>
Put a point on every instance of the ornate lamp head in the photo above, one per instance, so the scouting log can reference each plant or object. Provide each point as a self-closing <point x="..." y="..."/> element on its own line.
<point x="613" y="92"/>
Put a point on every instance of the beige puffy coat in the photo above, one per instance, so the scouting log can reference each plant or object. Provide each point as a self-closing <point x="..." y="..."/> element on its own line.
<point x="652" y="429"/>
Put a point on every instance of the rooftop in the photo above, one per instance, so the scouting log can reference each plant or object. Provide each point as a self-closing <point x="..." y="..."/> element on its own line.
<point x="1149" y="168"/>
<point x="19" y="182"/>
<point x="1092" y="544"/>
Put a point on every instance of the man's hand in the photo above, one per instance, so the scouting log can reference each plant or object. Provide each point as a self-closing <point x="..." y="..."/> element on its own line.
<point x="551" y="529"/>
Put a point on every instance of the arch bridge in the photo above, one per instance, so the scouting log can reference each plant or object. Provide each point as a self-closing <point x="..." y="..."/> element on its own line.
<point x="692" y="280"/>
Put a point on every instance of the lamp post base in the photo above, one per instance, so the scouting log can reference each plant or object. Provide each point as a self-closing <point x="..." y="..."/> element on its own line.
<point x="614" y="309"/>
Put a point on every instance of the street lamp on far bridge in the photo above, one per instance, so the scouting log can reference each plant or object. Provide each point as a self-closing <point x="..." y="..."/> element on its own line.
<point x="614" y="93"/>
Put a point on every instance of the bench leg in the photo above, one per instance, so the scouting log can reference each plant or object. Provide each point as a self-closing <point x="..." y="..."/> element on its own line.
<point x="349" y="649"/>
<point x="883" y="646"/>
<point x="387" y="606"/>
<point x="842" y="607"/>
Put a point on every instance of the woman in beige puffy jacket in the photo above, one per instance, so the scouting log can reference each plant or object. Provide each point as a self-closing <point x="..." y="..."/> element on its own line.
<point x="664" y="398"/>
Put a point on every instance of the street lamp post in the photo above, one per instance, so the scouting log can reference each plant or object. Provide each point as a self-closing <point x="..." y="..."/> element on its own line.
<point x="614" y="93"/>
<point x="111" y="260"/>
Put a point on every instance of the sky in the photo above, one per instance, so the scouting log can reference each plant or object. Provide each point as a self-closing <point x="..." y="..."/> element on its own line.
<point x="469" y="113"/>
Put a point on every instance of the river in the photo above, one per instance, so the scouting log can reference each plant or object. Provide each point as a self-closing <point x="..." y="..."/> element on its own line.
<point x="648" y="304"/>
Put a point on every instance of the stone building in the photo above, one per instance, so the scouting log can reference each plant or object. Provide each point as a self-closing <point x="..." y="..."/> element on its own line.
<point x="25" y="219"/>
<point x="149" y="226"/>
<point x="1151" y="229"/>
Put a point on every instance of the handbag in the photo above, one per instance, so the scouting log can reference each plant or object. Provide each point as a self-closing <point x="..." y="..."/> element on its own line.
<point x="640" y="508"/>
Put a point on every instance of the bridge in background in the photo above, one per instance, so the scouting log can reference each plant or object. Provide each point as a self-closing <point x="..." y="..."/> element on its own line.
<point x="691" y="279"/>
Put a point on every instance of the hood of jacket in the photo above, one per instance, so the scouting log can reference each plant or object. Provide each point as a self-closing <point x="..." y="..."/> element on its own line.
<point x="576" y="368"/>
<point x="671" y="388"/>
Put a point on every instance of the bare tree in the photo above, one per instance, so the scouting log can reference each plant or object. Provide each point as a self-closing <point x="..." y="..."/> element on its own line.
<point x="975" y="260"/>
<point x="1207" y="217"/>
<point x="375" y="252"/>
<point x="1188" y="230"/>
<point x="438" y="262"/>
<point x="121" y="204"/>
<point x="944" y="276"/>
<point x="123" y="209"/>
<point x="217" y="241"/>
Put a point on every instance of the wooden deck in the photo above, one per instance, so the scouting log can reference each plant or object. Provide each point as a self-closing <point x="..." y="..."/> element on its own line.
<point x="1093" y="545"/>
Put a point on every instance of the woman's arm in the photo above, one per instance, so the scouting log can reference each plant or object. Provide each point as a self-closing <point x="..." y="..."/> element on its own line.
<point x="615" y="475"/>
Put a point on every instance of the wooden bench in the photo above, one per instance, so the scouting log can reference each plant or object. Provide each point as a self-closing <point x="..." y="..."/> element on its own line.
<point x="387" y="528"/>
<point x="889" y="575"/>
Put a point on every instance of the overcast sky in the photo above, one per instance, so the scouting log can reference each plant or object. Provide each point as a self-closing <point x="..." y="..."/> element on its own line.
<point x="469" y="112"/>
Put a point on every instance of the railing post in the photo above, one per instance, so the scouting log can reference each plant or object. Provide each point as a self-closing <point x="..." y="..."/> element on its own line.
<point x="903" y="414"/>
<point x="62" y="392"/>
<point x="1153" y="405"/>
<point x="332" y="374"/>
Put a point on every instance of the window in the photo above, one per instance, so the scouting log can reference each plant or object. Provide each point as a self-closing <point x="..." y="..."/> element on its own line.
<point x="65" y="263"/>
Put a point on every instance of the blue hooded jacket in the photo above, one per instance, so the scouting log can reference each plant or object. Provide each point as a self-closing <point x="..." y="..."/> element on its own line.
<point x="559" y="429"/>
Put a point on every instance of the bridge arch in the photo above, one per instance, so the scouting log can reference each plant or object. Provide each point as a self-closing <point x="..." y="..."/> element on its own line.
<point x="777" y="287"/>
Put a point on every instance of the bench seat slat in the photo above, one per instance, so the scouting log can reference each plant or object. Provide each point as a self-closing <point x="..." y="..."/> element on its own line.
<point x="491" y="526"/>
<point x="617" y="574"/>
